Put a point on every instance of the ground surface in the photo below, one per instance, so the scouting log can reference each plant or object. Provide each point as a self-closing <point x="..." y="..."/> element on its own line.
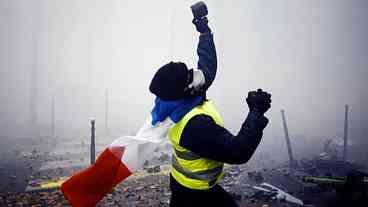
<point x="147" y="191"/>
<point x="25" y="163"/>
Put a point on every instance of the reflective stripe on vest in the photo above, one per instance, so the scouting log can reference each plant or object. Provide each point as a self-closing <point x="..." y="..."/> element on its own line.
<point x="186" y="155"/>
<point x="188" y="168"/>
<point x="205" y="175"/>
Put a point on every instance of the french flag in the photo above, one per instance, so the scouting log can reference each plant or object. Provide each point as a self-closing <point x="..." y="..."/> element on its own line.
<point x="125" y="155"/>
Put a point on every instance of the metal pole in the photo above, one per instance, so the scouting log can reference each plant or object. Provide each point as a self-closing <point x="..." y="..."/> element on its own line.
<point x="346" y="132"/>
<point x="286" y="131"/>
<point x="93" y="145"/>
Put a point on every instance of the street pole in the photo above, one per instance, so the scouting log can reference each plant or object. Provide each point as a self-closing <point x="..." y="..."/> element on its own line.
<point x="287" y="138"/>
<point x="93" y="144"/>
<point x="346" y="132"/>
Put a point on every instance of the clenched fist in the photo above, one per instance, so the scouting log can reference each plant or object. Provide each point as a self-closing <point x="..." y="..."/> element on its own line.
<point x="259" y="101"/>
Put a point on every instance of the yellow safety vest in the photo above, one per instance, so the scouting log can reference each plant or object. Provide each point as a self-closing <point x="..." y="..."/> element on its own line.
<point x="188" y="168"/>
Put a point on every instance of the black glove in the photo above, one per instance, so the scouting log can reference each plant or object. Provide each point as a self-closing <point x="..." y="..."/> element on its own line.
<point x="259" y="101"/>
<point x="201" y="25"/>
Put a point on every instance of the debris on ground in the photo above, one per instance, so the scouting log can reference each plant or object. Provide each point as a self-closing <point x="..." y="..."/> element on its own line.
<point x="33" y="180"/>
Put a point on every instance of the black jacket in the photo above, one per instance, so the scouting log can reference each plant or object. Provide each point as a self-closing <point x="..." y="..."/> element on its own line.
<point x="206" y="138"/>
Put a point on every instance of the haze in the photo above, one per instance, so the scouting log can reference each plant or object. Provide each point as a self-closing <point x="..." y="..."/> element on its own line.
<point x="310" y="55"/>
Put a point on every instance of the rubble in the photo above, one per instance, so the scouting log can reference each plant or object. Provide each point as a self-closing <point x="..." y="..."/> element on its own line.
<point x="150" y="187"/>
<point x="277" y="194"/>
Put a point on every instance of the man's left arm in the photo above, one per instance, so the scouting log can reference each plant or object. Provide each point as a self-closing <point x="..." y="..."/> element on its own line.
<point x="207" y="58"/>
<point x="206" y="70"/>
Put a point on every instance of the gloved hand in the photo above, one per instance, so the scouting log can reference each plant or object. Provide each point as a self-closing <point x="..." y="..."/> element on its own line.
<point x="259" y="101"/>
<point x="201" y="25"/>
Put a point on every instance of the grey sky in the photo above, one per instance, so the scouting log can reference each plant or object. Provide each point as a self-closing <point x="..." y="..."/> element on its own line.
<point x="311" y="55"/>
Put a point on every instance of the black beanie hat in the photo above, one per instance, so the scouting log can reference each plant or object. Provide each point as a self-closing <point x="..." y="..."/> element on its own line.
<point x="170" y="81"/>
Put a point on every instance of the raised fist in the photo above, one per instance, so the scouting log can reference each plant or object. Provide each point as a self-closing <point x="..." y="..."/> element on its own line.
<point x="259" y="101"/>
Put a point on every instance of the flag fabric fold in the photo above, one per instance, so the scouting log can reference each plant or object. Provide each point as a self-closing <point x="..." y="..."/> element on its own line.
<point x="125" y="155"/>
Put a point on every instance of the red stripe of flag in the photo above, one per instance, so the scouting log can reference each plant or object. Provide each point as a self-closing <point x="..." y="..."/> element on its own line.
<point x="86" y="188"/>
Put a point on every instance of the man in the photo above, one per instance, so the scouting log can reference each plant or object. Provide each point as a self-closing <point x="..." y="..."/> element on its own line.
<point x="201" y="145"/>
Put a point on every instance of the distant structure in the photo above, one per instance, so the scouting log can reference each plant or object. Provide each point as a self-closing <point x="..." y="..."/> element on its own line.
<point x="346" y="132"/>
<point x="287" y="138"/>
<point x="93" y="143"/>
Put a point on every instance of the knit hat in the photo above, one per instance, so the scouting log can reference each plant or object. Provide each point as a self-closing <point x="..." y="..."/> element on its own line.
<point x="170" y="81"/>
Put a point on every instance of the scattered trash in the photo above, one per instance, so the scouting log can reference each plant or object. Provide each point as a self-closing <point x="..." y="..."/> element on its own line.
<point x="278" y="194"/>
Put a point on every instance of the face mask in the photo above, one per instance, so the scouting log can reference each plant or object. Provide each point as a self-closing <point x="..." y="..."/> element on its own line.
<point x="195" y="81"/>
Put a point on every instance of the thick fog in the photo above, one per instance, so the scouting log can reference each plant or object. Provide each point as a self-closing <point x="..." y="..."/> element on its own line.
<point x="310" y="55"/>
